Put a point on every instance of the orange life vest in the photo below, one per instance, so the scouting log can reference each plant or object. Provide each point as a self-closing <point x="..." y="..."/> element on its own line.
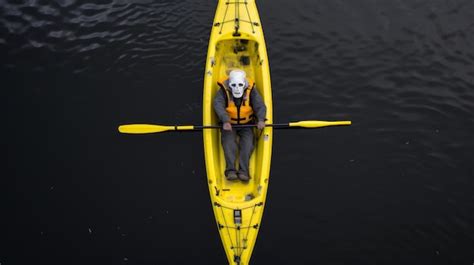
<point x="239" y="114"/>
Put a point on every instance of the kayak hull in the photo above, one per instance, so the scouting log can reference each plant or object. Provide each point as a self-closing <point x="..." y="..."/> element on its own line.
<point x="237" y="42"/>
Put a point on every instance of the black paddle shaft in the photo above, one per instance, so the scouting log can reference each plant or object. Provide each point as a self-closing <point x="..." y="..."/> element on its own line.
<point x="276" y="125"/>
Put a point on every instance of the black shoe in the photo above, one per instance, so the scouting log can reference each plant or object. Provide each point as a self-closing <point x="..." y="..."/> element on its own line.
<point x="243" y="176"/>
<point x="231" y="175"/>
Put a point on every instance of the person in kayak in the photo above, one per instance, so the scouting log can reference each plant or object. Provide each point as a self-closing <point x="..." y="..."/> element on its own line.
<point x="238" y="102"/>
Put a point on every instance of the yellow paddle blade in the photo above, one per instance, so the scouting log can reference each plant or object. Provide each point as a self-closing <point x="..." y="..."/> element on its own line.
<point x="144" y="128"/>
<point x="317" y="124"/>
<point x="151" y="128"/>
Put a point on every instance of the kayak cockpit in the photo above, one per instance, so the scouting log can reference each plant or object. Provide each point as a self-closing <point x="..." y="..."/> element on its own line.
<point x="233" y="54"/>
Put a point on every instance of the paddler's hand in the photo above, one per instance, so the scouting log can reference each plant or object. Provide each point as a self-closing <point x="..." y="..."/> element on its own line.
<point x="261" y="125"/>
<point x="227" y="126"/>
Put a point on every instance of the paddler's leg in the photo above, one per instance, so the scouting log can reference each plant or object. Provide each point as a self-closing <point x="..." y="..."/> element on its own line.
<point x="229" y="144"/>
<point x="246" y="147"/>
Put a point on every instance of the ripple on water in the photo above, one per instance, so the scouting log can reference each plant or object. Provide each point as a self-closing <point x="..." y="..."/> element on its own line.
<point x="126" y="30"/>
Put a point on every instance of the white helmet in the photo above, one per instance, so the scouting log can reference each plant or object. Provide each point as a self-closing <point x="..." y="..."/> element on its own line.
<point x="237" y="83"/>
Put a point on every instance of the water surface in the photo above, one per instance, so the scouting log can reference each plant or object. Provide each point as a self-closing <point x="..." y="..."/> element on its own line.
<point x="394" y="188"/>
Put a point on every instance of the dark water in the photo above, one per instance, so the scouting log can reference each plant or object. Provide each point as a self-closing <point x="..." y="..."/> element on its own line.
<point x="394" y="188"/>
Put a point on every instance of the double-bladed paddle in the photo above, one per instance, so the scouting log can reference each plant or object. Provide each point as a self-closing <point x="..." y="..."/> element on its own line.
<point x="156" y="128"/>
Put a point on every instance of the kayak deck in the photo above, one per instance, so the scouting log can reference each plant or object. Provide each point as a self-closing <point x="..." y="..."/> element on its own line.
<point x="237" y="191"/>
<point x="238" y="206"/>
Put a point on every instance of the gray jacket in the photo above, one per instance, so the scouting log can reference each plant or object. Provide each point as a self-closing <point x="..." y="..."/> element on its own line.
<point x="256" y="101"/>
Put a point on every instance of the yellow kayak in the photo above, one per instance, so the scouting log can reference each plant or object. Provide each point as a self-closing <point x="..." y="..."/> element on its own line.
<point x="237" y="42"/>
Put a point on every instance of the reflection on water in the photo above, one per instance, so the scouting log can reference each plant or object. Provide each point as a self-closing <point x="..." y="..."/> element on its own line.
<point x="395" y="187"/>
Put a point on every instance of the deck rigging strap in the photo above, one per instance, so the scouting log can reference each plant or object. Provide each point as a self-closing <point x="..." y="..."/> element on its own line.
<point x="237" y="18"/>
<point x="240" y="244"/>
<point x="225" y="223"/>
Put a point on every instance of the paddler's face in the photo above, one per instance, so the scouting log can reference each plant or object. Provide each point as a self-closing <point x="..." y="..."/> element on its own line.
<point x="237" y="88"/>
<point x="237" y="83"/>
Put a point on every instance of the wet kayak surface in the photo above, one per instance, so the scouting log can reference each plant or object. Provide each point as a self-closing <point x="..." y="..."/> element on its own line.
<point x="393" y="188"/>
